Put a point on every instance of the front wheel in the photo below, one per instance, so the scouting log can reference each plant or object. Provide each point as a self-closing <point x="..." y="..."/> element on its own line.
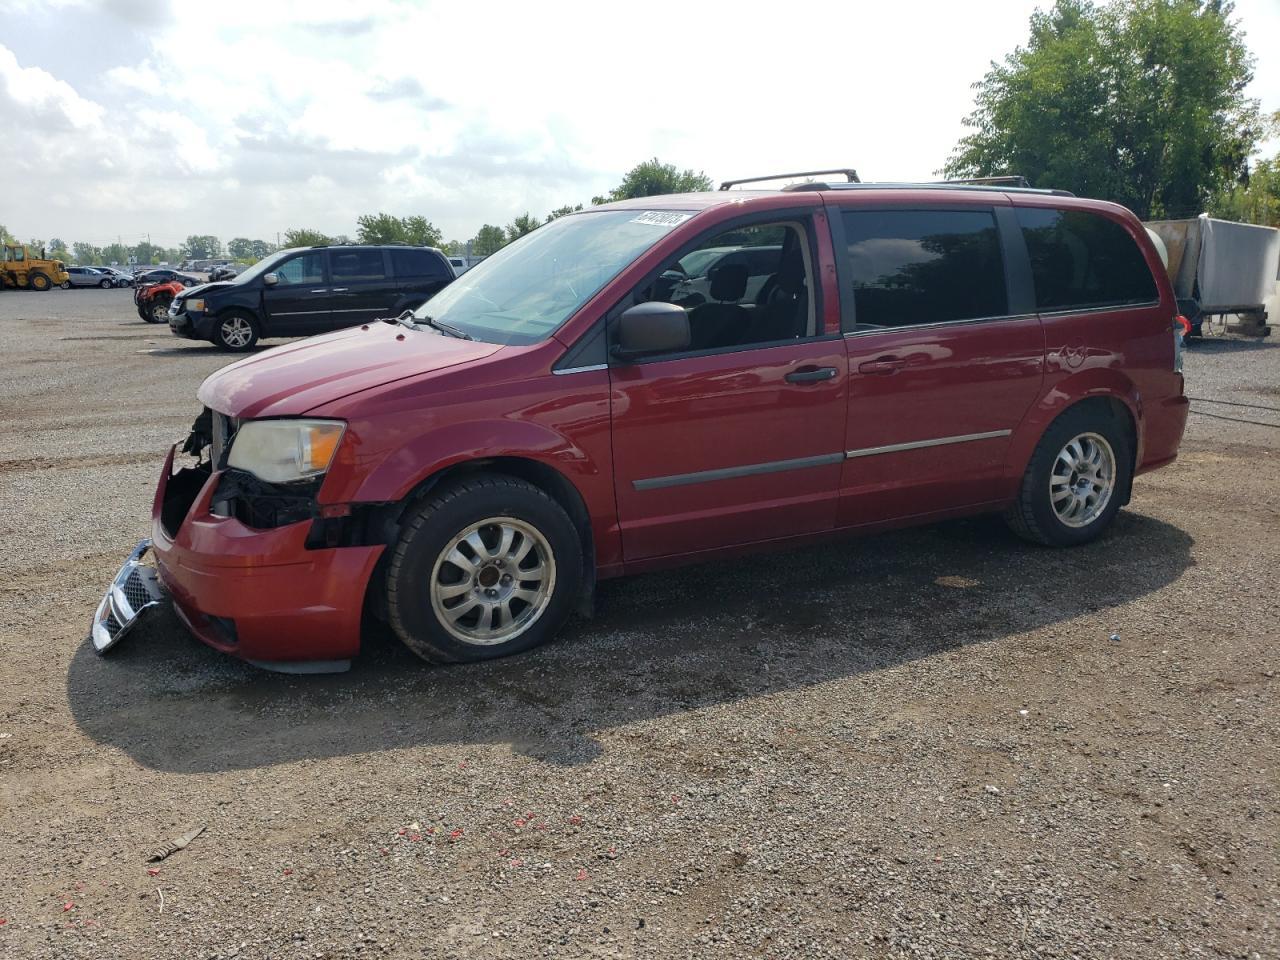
<point x="38" y="281"/>
<point x="1072" y="487"/>
<point x="236" y="332"/>
<point x="487" y="567"/>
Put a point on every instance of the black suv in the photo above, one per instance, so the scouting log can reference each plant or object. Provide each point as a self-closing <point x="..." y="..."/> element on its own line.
<point x="306" y="290"/>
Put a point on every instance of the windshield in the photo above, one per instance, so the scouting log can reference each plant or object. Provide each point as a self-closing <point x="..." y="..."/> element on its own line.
<point x="262" y="266"/>
<point x="522" y="293"/>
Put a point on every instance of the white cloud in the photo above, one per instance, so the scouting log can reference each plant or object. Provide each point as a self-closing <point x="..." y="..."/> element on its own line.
<point x="252" y="117"/>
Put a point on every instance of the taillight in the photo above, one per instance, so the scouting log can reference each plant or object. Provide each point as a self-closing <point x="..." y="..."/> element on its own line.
<point x="1181" y="330"/>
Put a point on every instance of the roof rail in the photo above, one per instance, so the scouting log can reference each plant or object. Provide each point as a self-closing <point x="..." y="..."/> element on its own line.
<point x="847" y="171"/>
<point x="934" y="185"/>
<point x="1011" y="180"/>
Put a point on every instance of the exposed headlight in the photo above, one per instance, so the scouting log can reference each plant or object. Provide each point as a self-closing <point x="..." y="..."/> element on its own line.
<point x="281" y="451"/>
<point x="194" y="306"/>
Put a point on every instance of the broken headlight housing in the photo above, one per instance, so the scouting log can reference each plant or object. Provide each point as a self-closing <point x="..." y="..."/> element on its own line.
<point x="285" y="451"/>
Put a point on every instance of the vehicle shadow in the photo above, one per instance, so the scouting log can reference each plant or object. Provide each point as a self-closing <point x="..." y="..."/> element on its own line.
<point x="660" y="644"/>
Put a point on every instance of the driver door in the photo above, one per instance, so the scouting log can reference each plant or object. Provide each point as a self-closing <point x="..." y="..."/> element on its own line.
<point x="299" y="303"/>
<point x="740" y="437"/>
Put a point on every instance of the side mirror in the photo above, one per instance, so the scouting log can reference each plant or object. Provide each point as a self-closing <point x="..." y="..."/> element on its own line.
<point x="271" y="279"/>
<point x="654" y="327"/>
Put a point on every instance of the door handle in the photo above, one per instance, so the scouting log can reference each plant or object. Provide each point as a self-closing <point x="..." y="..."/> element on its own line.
<point x="882" y="366"/>
<point x="319" y="291"/>
<point x="810" y="375"/>
<point x="340" y="289"/>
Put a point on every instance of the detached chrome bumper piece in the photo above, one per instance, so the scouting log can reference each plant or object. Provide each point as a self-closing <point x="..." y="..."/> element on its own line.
<point x="135" y="588"/>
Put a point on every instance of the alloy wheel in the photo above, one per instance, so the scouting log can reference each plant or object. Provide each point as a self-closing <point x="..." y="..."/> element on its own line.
<point x="1083" y="479"/>
<point x="493" y="581"/>
<point x="236" y="332"/>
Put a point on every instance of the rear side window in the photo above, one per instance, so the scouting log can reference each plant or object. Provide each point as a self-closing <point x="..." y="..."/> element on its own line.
<point x="357" y="265"/>
<point x="416" y="263"/>
<point x="1081" y="260"/>
<point x="911" y="267"/>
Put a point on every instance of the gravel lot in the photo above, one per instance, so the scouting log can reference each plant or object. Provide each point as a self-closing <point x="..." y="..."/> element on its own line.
<point x="924" y="744"/>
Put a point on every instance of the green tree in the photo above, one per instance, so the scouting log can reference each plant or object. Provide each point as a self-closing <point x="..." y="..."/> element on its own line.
<point x="1256" y="198"/>
<point x="564" y="211"/>
<point x="302" y="237"/>
<point x="6" y="236"/>
<point x="58" y="249"/>
<point x="144" y="252"/>
<point x="654" y="178"/>
<point x="201" y="247"/>
<point x="525" y="223"/>
<point x="86" y="253"/>
<point x="488" y="239"/>
<point x="385" y="228"/>
<point x="454" y="248"/>
<point x="242" y="248"/>
<point x="114" y="253"/>
<point x="1137" y="101"/>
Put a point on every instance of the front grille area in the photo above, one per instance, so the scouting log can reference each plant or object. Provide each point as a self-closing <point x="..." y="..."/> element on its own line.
<point x="135" y="591"/>
<point x="262" y="505"/>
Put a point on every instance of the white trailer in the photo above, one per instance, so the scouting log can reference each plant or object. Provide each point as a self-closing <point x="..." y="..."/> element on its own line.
<point x="1221" y="269"/>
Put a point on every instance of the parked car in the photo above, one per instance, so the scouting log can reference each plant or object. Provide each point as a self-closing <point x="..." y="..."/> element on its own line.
<point x="309" y="290"/>
<point x="87" y="277"/>
<point x="166" y="275"/>
<point x="153" y="299"/>
<point x="223" y="271"/>
<point x="119" y="277"/>
<point x="468" y="472"/>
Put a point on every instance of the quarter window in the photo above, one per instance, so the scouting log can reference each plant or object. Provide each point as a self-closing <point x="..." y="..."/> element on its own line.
<point x="912" y="267"/>
<point x="1081" y="260"/>
<point x="415" y="263"/>
<point x="357" y="265"/>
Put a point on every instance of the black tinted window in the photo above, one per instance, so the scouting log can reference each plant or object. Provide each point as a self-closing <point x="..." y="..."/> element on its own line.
<point x="357" y="265"/>
<point x="415" y="263"/>
<point x="924" y="266"/>
<point x="1081" y="260"/>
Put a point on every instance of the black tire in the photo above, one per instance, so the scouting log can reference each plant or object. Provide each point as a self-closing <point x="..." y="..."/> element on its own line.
<point x="105" y="284"/>
<point x="38" y="281"/>
<point x="1034" y="517"/>
<point x="229" y="332"/>
<point x="142" y="313"/>
<point x="156" y="310"/>
<point x="433" y="527"/>
<point x="65" y="284"/>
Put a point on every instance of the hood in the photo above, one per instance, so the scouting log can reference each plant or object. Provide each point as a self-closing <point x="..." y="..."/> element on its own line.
<point x="289" y="381"/>
<point x="203" y="289"/>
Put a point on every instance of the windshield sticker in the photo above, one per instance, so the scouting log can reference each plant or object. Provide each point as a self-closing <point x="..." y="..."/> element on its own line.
<point x="656" y="219"/>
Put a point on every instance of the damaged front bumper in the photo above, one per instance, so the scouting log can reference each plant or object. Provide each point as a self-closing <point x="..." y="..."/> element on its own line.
<point x="135" y="589"/>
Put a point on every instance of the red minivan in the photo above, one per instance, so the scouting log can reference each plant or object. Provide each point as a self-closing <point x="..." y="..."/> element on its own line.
<point x="660" y="381"/>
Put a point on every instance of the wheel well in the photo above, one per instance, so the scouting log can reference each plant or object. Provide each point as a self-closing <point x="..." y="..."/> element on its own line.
<point x="384" y="526"/>
<point x="1120" y="413"/>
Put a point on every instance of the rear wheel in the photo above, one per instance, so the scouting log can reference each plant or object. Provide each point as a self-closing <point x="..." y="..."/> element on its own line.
<point x="487" y="567"/>
<point x="235" y="331"/>
<point x="1073" y="485"/>
<point x="38" y="281"/>
<point x="105" y="283"/>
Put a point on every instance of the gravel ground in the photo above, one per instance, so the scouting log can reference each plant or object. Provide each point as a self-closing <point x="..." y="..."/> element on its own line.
<point x="923" y="744"/>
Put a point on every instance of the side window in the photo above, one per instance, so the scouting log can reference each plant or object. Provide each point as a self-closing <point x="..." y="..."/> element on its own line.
<point x="348" y="265"/>
<point x="743" y="287"/>
<point x="911" y="267"/>
<point x="305" y="268"/>
<point x="1081" y="260"/>
<point x="408" y="264"/>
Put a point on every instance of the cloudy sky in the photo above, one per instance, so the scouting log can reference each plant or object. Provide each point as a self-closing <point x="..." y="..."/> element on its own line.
<point x="129" y="117"/>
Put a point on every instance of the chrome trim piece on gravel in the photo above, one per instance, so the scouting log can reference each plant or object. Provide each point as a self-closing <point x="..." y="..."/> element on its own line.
<point x="135" y="588"/>
<point x="921" y="444"/>
<point x="731" y="473"/>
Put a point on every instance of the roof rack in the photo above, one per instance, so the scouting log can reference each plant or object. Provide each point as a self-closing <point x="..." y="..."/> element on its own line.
<point x="1012" y="180"/>
<point x="847" y="171"/>
<point x="934" y="185"/>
